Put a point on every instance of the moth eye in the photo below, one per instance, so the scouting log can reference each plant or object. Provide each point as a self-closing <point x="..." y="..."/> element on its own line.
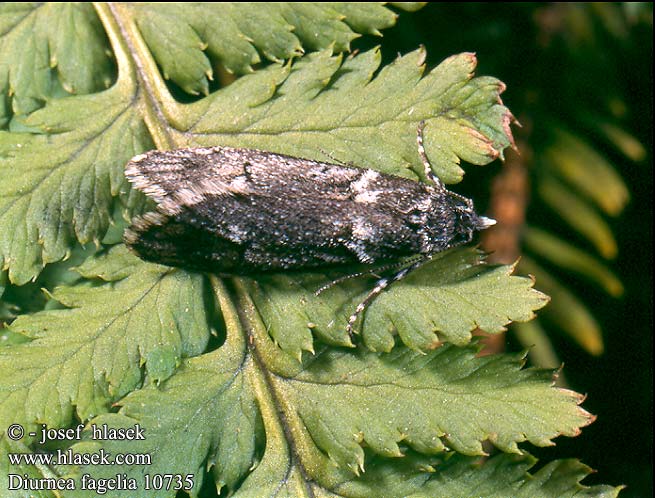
<point x="464" y="206"/>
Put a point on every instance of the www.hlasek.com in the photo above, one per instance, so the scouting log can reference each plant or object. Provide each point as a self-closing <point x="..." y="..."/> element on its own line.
<point x="101" y="457"/>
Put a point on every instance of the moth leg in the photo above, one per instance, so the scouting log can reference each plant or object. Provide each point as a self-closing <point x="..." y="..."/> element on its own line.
<point x="427" y="167"/>
<point x="382" y="284"/>
<point x="336" y="281"/>
<point x="370" y="271"/>
<point x="336" y="161"/>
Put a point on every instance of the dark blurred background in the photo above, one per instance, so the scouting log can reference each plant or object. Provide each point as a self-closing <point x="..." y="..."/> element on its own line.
<point x="587" y="69"/>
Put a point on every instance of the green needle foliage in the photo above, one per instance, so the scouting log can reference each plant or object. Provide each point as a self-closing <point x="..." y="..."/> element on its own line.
<point x="252" y="385"/>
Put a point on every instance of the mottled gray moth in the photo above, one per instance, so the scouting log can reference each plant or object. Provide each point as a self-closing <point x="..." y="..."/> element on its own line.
<point x="234" y="211"/>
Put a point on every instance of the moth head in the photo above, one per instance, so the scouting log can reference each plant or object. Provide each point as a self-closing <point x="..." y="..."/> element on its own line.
<point x="465" y="221"/>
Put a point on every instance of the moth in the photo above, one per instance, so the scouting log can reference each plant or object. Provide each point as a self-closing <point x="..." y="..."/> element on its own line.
<point x="233" y="211"/>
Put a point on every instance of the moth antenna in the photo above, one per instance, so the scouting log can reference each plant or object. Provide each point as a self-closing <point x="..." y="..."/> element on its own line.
<point x="369" y="271"/>
<point x="465" y="200"/>
<point x="429" y="174"/>
<point x="380" y="285"/>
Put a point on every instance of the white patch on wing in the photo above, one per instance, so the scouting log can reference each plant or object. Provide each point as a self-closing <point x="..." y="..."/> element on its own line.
<point x="239" y="185"/>
<point x="362" y="183"/>
<point x="368" y="197"/>
<point x="362" y="231"/>
<point x="191" y="195"/>
<point x="362" y="187"/>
